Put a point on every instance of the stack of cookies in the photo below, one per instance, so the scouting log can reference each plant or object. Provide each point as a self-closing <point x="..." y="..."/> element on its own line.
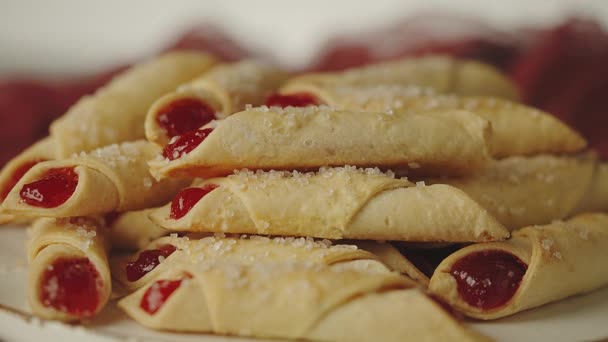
<point x="348" y="206"/>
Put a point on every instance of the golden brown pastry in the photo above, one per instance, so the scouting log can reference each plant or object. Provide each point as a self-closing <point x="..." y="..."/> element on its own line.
<point x="415" y="260"/>
<point x="222" y="91"/>
<point x="112" y="178"/>
<point x="538" y="265"/>
<point x="279" y="298"/>
<point x="516" y="129"/>
<point x="133" y="230"/>
<point x="443" y="74"/>
<point x="68" y="275"/>
<point x="136" y="270"/>
<point x="446" y="142"/>
<point x="335" y="203"/>
<point x="116" y="112"/>
<point x="13" y="170"/>
<point x="522" y="191"/>
<point x="596" y="198"/>
<point x="391" y="257"/>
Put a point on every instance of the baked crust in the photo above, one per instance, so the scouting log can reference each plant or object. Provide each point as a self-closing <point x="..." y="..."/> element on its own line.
<point x="68" y="238"/>
<point x="134" y="230"/>
<point x="562" y="260"/>
<point x="446" y="142"/>
<point x="336" y="203"/>
<point x="516" y="128"/>
<point x="391" y="257"/>
<point x="522" y="191"/>
<point x="442" y="74"/>
<point x="226" y="88"/>
<point x="199" y="251"/>
<point x="114" y="178"/>
<point x="41" y="150"/>
<point x="116" y="112"/>
<point x="299" y="297"/>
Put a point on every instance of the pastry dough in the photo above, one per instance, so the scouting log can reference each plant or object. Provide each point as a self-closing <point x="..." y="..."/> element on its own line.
<point x="562" y="258"/>
<point x="416" y="260"/>
<point x="516" y="129"/>
<point x="134" y="230"/>
<point x="200" y="251"/>
<point x="40" y="151"/>
<point x="443" y="74"/>
<point x="112" y="178"/>
<point x="391" y="257"/>
<point x="335" y="203"/>
<point x="521" y="191"/>
<point x="116" y="112"/>
<point x="448" y="142"/>
<point x="295" y="301"/>
<point x="57" y="240"/>
<point x="226" y="89"/>
<point x="596" y="198"/>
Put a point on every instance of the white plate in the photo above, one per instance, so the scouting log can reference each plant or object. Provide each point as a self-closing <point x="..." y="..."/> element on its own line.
<point x="581" y="318"/>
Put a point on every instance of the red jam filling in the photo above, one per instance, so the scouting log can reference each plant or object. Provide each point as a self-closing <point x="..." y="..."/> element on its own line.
<point x="488" y="279"/>
<point x="185" y="115"/>
<point x="185" y="143"/>
<point x="71" y="286"/>
<point x="158" y="293"/>
<point x="147" y="261"/>
<point x="291" y="100"/>
<point x="187" y="198"/>
<point x="16" y="176"/>
<point x="52" y="190"/>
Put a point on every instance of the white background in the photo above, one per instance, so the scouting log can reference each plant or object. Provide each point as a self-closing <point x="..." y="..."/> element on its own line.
<point x="72" y="36"/>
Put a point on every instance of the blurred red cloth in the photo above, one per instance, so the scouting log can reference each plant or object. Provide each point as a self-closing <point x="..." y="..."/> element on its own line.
<point x="211" y="39"/>
<point x="421" y="34"/>
<point x="28" y="106"/>
<point x="562" y="70"/>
